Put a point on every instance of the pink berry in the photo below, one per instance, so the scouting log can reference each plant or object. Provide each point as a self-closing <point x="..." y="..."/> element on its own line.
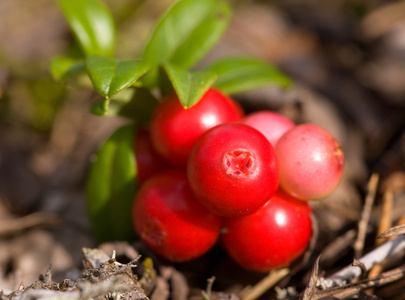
<point x="174" y="129"/>
<point x="233" y="169"/>
<point x="271" y="124"/>
<point x="171" y="221"/>
<point x="311" y="162"/>
<point x="272" y="236"/>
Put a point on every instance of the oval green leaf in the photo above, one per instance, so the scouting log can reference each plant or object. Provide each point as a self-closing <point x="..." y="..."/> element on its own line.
<point x="189" y="86"/>
<point x="111" y="187"/>
<point x="62" y="67"/>
<point x="237" y="74"/>
<point x="92" y="24"/>
<point x="136" y="104"/>
<point x="110" y="76"/>
<point x="185" y="34"/>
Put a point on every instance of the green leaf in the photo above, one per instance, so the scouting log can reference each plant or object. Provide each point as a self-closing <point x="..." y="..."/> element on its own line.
<point x="62" y="67"/>
<point x="189" y="86"/>
<point x="110" y="76"/>
<point x="185" y="34"/>
<point x="136" y="104"/>
<point x="111" y="187"/>
<point x="236" y="75"/>
<point x="100" y="107"/>
<point x="46" y="98"/>
<point x="92" y="24"/>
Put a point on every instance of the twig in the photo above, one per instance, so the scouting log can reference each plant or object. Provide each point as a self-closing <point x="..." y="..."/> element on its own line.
<point x="359" y="264"/>
<point x="385" y="224"/>
<point x="394" y="231"/>
<point x="311" y="287"/>
<point x="376" y="256"/>
<point x="13" y="226"/>
<point x="337" y="247"/>
<point x="365" y="216"/>
<point x="380" y="21"/>
<point x="397" y="230"/>
<point x="207" y="293"/>
<point x="264" y="285"/>
<point x="86" y="291"/>
<point x="386" y="218"/>
<point x="349" y="290"/>
<point x="374" y="272"/>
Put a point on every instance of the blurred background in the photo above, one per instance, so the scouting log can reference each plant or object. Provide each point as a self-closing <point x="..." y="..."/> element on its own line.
<point x="347" y="59"/>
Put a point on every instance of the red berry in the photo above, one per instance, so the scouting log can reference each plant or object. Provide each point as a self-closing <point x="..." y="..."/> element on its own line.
<point x="272" y="236"/>
<point x="174" y="130"/>
<point x="311" y="162"/>
<point x="271" y="124"/>
<point x="170" y="221"/>
<point x="148" y="161"/>
<point x="238" y="108"/>
<point x="233" y="169"/>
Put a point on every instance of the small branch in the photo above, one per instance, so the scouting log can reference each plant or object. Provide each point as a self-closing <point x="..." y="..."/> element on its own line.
<point x="385" y="224"/>
<point x="14" y="226"/>
<point x="386" y="218"/>
<point x="365" y="216"/>
<point x="397" y="230"/>
<point x="311" y="288"/>
<point x="376" y="256"/>
<point x="264" y="285"/>
<point x="359" y="264"/>
<point x="207" y="293"/>
<point x="349" y="290"/>
<point x="332" y="252"/>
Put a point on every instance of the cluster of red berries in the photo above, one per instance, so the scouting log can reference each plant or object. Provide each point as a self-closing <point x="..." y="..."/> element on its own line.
<point x="210" y="169"/>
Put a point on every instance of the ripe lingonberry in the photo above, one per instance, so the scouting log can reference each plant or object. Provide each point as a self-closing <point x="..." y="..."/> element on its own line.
<point x="272" y="236"/>
<point x="233" y="169"/>
<point x="271" y="124"/>
<point x="311" y="162"/>
<point x="171" y="221"/>
<point x="238" y="108"/>
<point x="174" y="129"/>
<point x="148" y="160"/>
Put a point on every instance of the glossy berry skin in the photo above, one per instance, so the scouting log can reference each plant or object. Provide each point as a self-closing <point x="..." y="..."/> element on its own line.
<point x="271" y="124"/>
<point x="239" y="109"/>
<point x="174" y="130"/>
<point x="233" y="169"/>
<point x="311" y="162"/>
<point x="170" y="221"/>
<point x="272" y="236"/>
<point x="148" y="161"/>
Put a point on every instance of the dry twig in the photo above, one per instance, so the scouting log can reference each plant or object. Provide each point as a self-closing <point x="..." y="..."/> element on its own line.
<point x="349" y="290"/>
<point x="14" y="226"/>
<point x="397" y="230"/>
<point x="332" y="252"/>
<point x="311" y="287"/>
<point x="369" y="260"/>
<point x="385" y="224"/>
<point x="251" y="293"/>
<point x="365" y="216"/>
<point x="386" y="218"/>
